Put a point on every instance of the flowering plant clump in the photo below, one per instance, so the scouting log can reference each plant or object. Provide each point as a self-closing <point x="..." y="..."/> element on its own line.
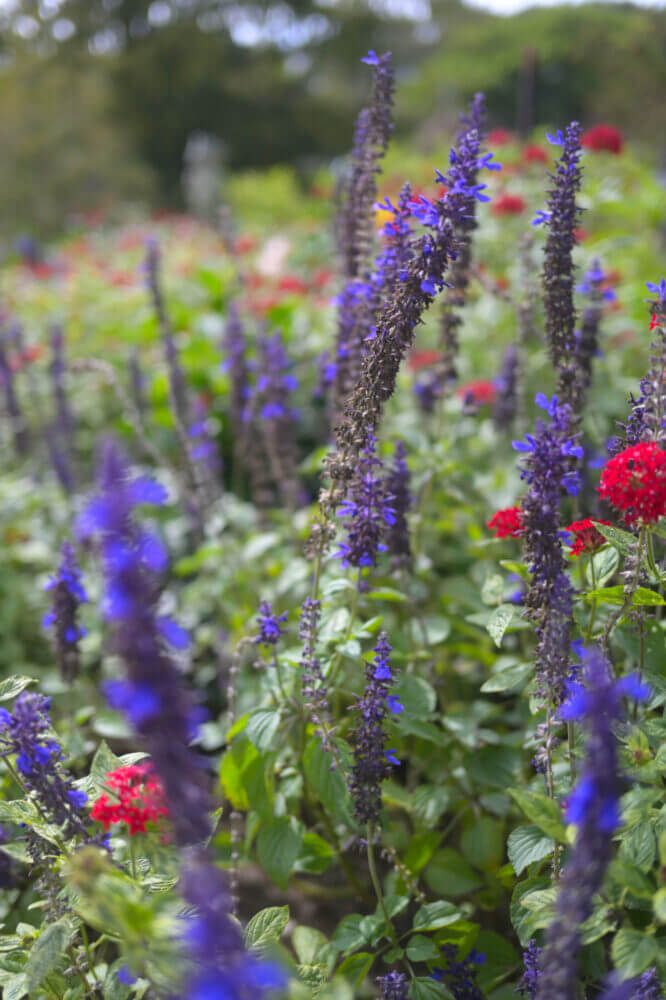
<point x="506" y="523"/>
<point x="325" y="738"/>
<point x="136" y="798"/>
<point x="634" y="482"/>
<point x="586" y="538"/>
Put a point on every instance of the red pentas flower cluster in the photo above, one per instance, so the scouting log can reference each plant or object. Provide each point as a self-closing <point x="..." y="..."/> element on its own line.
<point x="586" y="536"/>
<point x="506" y="523"/>
<point x="634" y="482"/>
<point x="137" y="799"/>
<point x="477" y="392"/>
<point x="603" y="138"/>
<point x="508" y="204"/>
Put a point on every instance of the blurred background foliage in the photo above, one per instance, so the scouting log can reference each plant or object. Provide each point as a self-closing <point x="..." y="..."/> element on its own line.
<point x="98" y="97"/>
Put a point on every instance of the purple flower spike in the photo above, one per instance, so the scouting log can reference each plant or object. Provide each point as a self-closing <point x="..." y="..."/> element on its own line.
<point x="368" y="509"/>
<point x="67" y="595"/>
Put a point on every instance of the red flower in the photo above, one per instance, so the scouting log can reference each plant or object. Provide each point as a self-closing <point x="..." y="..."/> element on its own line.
<point x="508" y="204"/>
<point x="290" y="283"/>
<point x="535" y="154"/>
<point x="321" y="278"/>
<point x="479" y="391"/>
<point x="655" y="322"/>
<point x="422" y="359"/>
<point x="506" y="523"/>
<point x="603" y="138"/>
<point x="137" y="799"/>
<point x="587" y="538"/>
<point x="581" y="234"/>
<point x="499" y="137"/>
<point x="635" y="482"/>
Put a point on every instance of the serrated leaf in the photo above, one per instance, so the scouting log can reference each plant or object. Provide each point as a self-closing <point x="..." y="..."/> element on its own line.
<point x="327" y="782"/>
<point x="449" y="874"/>
<point x="622" y="540"/>
<point x="309" y="944"/>
<point x="46" y="952"/>
<point x="266" y="926"/>
<point x="509" y="679"/>
<point x="542" y="811"/>
<point x="348" y="934"/>
<point x="433" y="915"/>
<point x="527" y="844"/>
<point x="425" y="988"/>
<point x="278" y="844"/>
<point x="633" y="952"/>
<point x="12" y="686"/>
<point x="261" y="727"/>
<point x="499" y="622"/>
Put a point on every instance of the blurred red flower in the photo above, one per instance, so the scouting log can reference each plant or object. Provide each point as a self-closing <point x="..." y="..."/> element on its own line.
<point x="477" y="391"/>
<point x="422" y="359"/>
<point x="499" y="137"/>
<point x="586" y="536"/>
<point x="535" y="154"/>
<point x="508" y="204"/>
<point x="137" y="798"/>
<point x="603" y="138"/>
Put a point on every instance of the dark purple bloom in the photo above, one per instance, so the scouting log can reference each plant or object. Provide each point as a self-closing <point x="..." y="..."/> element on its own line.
<point x="527" y="986"/>
<point x="371" y="761"/>
<point x="393" y="986"/>
<point x="397" y="487"/>
<point x="153" y="696"/>
<point x="648" y="986"/>
<point x="67" y="595"/>
<point x="236" y="364"/>
<point x="221" y="967"/>
<point x="562" y="218"/>
<point x="548" y="472"/>
<point x="457" y="975"/>
<point x="368" y="509"/>
<point x="25" y="734"/>
<point x="506" y="385"/>
<point x="270" y="625"/>
<point x="594" y="806"/>
<point x="14" y="411"/>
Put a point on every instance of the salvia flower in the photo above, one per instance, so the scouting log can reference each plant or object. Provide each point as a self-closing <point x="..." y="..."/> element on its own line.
<point x="458" y="975"/>
<point x="368" y="510"/>
<point x="562" y="217"/>
<point x="220" y="965"/>
<point x="586" y="537"/>
<point x="548" y="472"/>
<point x="19" y="426"/>
<point x="397" y="486"/>
<point x="634" y="482"/>
<point x="275" y="417"/>
<point x="371" y="759"/>
<point x="648" y="987"/>
<point x="151" y="696"/>
<point x="136" y="798"/>
<point x="313" y="686"/>
<point x="527" y="986"/>
<point x="393" y="986"/>
<point x="505" y="404"/>
<point x="594" y="807"/>
<point x="506" y="523"/>
<point x="67" y="595"/>
<point x="25" y="735"/>
<point x="270" y="625"/>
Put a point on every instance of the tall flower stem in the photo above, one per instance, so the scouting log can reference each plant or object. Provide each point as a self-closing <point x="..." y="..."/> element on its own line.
<point x="377" y="884"/>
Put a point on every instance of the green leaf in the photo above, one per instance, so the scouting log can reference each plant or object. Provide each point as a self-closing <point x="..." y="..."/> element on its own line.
<point x="639" y="846"/>
<point x="46" y="952"/>
<point x="542" y="811"/>
<point x="448" y="874"/>
<point x="642" y="596"/>
<point x="105" y="761"/>
<point x="633" y="952"/>
<point x="425" y="988"/>
<point x="316" y="855"/>
<point x="501" y="959"/>
<point x="422" y="949"/>
<point x="527" y="844"/>
<point x="348" y="934"/>
<point x="482" y="843"/>
<point x="356" y="967"/>
<point x="433" y="915"/>
<point x="432" y="630"/>
<point x="628" y="876"/>
<point x="386" y="594"/>
<point x="262" y="726"/>
<point x="278" y="844"/>
<point x="267" y="926"/>
<point x="418" y="697"/>
<point x="15" y="988"/>
<point x="598" y="924"/>
<point x="421" y="848"/>
<point x="11" y="686"/>
<point x="309" y="944"/>
<point x="509" y="679"/>
<point x="492" y="589"/>
<point x="622" y="540"/>
<point x="659" y="905"/>
<point x="499" y="622"/>
<point x="330" y="786"/>
<point x="519" y="915"/>
<point x="604" y="563"/>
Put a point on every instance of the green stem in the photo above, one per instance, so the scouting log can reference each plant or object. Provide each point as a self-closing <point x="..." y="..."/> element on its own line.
<point x="377" y="885"/>
<point x="337" y="659"/>
<point x="132" y="854"/>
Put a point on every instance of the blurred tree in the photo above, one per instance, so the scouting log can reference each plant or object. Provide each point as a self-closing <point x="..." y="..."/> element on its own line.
<point x="61" y="154"/>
